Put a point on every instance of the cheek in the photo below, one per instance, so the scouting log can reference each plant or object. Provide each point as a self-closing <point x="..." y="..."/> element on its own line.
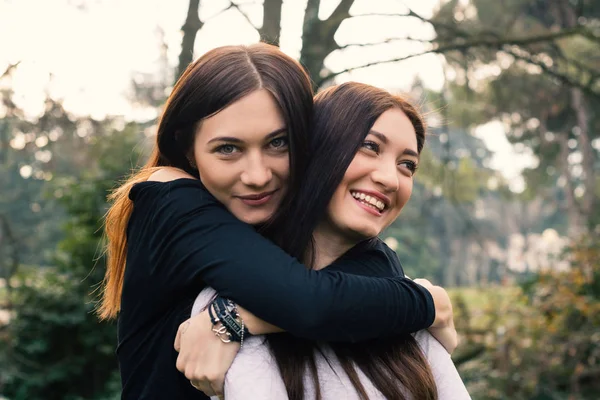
<point x="281" y="168"/>
<point x="219" y="178"/>
<point x="404" y="193"/>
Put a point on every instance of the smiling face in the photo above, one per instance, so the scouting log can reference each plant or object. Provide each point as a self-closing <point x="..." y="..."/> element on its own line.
<point x="378" y="182"/>
<point x="242" y="156"/>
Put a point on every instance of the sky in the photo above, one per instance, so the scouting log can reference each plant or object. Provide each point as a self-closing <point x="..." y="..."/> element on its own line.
<point x="86" y="52"/>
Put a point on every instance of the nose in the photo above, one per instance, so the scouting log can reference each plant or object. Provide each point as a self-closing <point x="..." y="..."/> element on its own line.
<point x="386" y="176"/>
<point x="257" y="173"/>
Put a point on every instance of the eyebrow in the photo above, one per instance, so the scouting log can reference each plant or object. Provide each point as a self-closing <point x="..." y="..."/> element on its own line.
<point x="384" y="139"/>
<point x="231" y="139"/>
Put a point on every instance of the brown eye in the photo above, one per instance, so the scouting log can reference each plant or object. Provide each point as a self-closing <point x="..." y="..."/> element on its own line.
<point x="409" y="165"/>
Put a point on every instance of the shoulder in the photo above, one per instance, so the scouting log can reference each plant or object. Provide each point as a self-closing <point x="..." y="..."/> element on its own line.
<point x="172" y="193"/>
<point x="369" y="258"/>
<point x="448" y="381"/>
<point x="169" y="174"/>
<point x="380" y="247"/>
<point x="166" y="181"/>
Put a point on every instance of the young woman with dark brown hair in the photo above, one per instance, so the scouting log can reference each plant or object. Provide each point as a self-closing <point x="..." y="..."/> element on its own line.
<point x="237" y="122"/>
<point x="365" y="147"/>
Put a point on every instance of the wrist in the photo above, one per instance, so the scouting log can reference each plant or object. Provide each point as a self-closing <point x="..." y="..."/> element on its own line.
<point x="228" y="325"/>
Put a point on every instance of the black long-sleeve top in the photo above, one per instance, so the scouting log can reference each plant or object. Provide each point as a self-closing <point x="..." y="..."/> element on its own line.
<point x="181" y="239"/>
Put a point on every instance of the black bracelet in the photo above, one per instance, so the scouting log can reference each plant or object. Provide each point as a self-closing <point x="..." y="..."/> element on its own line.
<point x="225" y="311"/>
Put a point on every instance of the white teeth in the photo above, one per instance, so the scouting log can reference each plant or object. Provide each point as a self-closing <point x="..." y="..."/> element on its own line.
<point x="368" y="200"/>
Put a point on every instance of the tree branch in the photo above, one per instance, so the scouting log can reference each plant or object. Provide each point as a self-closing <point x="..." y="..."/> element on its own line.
<point x="490" y="43"/>
<point x="380" y="15"/>
<point x="9" y="69"/>
<point x="499" y="43"/>
<point x="558" y="75"/>
<point x="190" y="28"/>
<point x="237" y="7"/>
<point x="386" y="41"/>
<point x="270" y="31"/>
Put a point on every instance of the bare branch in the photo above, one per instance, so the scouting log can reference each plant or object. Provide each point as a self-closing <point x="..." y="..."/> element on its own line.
<point x="238" y="8"/>
<point x="564" y="78"/>
<point x="9" y="69"/>
<point x="229" y="7"/>
<point x="393" y="60"/>
<point x="386" y="41"/>
<point x="497" y="43"/>
<point x="190" y="28"/>
<point x="380" y="15"/>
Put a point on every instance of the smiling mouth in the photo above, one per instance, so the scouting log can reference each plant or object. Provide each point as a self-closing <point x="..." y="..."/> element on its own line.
<point x="369" y="201"/>
<point x="257" y="199"/>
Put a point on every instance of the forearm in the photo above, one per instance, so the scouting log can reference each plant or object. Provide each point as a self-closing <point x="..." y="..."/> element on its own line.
<point x="255" y="325"/>
<point x="206" y="245"/>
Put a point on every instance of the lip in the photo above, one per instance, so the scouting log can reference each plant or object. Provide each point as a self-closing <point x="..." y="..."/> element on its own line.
<point x="368" y="209"/>
<point x="382" y="197"/>
<point x="257" y="199"/>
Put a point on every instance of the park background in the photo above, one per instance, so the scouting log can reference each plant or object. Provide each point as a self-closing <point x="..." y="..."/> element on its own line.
<point x="505" y="211"/>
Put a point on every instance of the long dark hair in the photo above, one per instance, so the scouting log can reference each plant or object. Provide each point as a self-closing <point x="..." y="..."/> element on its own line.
<point x="343" y="117"/>
<point x="214" y="81"/>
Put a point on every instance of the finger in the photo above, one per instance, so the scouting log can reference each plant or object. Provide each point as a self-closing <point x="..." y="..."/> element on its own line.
<point x="180" y="331"/>
<point x="423" y="282"/>
<point x="177" y="343"/>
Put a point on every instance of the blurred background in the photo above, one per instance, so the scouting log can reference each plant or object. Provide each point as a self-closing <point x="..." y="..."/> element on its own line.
<point x="505" y="207"/>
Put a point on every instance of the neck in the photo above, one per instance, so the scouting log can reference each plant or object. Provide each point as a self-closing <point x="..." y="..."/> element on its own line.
<point x="329" y="246"/>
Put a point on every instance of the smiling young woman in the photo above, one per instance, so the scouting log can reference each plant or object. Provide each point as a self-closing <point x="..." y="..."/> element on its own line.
<point x="243" y="154"/>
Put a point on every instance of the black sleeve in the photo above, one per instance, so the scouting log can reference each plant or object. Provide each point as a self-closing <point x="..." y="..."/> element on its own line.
<point x="371" y="258"/>
<point x="196" y="241"/>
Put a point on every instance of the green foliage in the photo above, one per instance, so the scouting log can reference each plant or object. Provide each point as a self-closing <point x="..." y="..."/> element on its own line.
<point x="540" y="341"/>
<point x="56" y="348"/>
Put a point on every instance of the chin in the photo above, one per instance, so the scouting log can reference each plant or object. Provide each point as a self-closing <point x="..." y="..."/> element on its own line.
<point x="363" y="232"/>
<point x="257" y="219"/>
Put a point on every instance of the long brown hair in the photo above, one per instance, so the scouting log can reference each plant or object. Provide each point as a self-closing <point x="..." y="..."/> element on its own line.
<point x="343" y="117"/>
<point x="217" y="79"/>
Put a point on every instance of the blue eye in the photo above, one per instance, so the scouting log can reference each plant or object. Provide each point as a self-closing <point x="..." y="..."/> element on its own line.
<point x="226" y="149"/>
<point x="370" y="145"/>
<point x="279" y="143"/>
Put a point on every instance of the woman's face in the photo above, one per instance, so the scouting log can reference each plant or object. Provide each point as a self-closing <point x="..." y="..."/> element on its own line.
<point x="242" y="156"/>
<point x="378" y="182"/>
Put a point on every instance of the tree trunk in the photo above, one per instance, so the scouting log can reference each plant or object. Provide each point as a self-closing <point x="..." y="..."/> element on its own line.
<point x="573" y="215"/>
<point x="9" y="264"/>
<point x="270" y="32"/>
<point x="579" y="105"/>
<point x="318" y="36"/>
<point x="190" y="28"/>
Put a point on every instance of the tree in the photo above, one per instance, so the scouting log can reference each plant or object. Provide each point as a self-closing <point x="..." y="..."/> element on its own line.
<point x="318" y="38"/>
<point x="57" y="348"/>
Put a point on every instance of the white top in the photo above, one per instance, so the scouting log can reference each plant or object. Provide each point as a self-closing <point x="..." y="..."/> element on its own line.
<point x="254" y="373"/>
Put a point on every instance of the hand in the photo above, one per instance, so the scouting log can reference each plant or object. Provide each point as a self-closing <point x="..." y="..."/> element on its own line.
<point x="443" y="327"/>
<point x="203" y="358"/>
